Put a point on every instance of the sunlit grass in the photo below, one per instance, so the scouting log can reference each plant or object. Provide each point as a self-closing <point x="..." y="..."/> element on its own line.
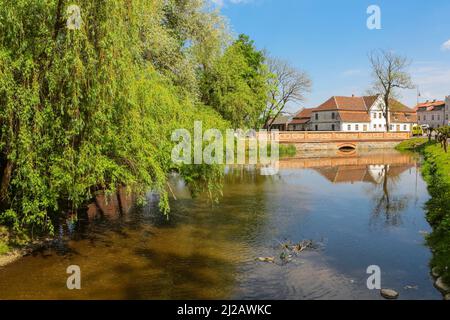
<point x="436" y="171"/>
<point x="412" y="144"/>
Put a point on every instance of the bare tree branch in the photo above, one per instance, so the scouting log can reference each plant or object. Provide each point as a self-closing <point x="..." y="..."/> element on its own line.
<point x="390" y="74"/>
<point x="287" y="84"/>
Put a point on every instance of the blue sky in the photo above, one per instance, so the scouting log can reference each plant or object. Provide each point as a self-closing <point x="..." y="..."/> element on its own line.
<point x="330" y="40"/>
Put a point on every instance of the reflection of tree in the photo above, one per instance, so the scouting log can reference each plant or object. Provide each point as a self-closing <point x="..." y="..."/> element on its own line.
<point x="386" y="205"/>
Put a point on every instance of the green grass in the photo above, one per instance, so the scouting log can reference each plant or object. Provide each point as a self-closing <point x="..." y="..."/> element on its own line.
<point x="284" y="150"/>
<point x="412" y="144"/>
<point x="3" y="248"/>
<point x="288" y="150"/>
<point x="436" y="171"/>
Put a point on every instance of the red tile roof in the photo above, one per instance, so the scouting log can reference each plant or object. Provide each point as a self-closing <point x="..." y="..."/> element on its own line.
<point x="305" y="113"/>
<point x="403" y="117"/>
<point x="348" y="103"/>
<point x="354" y="116"/>
<point x="359" y="104"/>
<point x="300" y="121"/>
<point x="430" y="105"/>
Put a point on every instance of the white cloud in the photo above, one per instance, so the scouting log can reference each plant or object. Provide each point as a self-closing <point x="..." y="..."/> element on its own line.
<point x="432" y="79"/>
<point x="446" y="46"/>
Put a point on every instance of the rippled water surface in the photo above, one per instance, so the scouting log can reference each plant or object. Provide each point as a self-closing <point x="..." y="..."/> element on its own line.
<point x="359" y="210"/>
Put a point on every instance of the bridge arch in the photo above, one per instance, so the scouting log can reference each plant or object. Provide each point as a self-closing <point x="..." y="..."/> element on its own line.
<point x="347" y="147"/>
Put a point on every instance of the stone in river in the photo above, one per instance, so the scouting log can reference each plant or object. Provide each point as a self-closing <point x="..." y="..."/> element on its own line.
<point x="266" y="259"/>
<point x="441" y="285"/>
<point x="389" y="294"/>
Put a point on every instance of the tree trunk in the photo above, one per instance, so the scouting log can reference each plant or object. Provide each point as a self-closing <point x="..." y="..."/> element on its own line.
<point x="5" y="182"/>
<point x="119" y="202"/>
<point x="386" y="106"/>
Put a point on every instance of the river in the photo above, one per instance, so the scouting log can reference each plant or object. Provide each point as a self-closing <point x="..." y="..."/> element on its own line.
<point x="358" y="209"/>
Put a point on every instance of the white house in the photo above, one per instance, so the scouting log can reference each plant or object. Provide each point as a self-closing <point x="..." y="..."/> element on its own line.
<point x="361" y="114"/>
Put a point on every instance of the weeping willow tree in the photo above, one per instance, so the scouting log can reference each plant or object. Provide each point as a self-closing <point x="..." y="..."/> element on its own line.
<point x="87" y="102"/>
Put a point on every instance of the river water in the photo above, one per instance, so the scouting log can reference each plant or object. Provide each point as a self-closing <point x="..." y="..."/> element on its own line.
<point x="358" y="209"/>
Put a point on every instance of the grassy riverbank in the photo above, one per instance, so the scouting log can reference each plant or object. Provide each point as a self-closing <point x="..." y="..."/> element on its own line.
<point x="4" y="247"/>
<point x="436" y="171"/>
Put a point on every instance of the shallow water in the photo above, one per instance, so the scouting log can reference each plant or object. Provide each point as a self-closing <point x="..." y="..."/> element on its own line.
<point x="359" y="210"/>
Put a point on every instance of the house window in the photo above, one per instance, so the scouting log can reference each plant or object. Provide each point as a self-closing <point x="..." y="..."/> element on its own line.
<point x="380" y="126"/>
<point x="374" y="115"/>
<point x="418" y="117"/>
<point x="333" y="115"/>
<point x="439" y="118"/>
<point x="317" y="127"/>
<point x="317" y="116"/>
<point x="374" y="126"/>
<point x="357" y="127"/>
<point x="405" y="128"/>
<point x="333" y="127"/>
<point x="391" y="127"/>
<point x="380" y="116"/>
<point x="424" y="118"/>
<point x="432" y="117"/>
<point x="349" y="127"/>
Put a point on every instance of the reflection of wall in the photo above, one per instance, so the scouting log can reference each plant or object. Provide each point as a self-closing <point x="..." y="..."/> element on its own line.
<point x="317" y="160"/>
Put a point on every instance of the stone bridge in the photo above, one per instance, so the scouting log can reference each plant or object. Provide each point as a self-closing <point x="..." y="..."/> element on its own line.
<point x="339" y="140"/>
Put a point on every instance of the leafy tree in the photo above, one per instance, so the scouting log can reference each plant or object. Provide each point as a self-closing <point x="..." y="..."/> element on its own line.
<point x="237" y="84"/>
<point x="287" y="85"/>
<point x="86" y="108"/>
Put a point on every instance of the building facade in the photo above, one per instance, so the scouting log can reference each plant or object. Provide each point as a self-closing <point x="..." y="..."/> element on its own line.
<point x="281" y="123"/>
<point x="360" y="114"/>
<point x="433" y="113"/>
<point x="447" y="110"/>
<point x="301" y="121"/>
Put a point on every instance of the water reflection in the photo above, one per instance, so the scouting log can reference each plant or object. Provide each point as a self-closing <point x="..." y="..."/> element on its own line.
<point x="360" y="206"/>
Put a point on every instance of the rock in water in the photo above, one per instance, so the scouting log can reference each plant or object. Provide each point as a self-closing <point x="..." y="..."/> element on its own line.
<point x="266" y="259"/>
<point x="441" y="285"/>
<point x="389" y="294"/>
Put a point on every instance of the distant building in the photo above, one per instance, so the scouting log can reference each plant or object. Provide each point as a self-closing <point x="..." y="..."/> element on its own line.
<point x="281" y="123"/>
<point x="301" y="121"/>
<point x="447" y="110"/>
<point x="358" y="114"/>
<point x="433" y="113"/>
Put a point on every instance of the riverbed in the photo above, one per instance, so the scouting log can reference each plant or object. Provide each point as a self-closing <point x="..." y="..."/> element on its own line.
<point x="359" y="210"/>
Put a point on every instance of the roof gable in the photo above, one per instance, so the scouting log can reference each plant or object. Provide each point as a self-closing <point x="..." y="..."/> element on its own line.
<point x="348" y="103"/>
<point x="305" y="113"/>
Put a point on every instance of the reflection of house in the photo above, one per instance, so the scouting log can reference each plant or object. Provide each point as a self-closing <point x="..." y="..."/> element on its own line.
<point x="301" y="121"/>
<point x="432" y="113"/>
<point x="374" y="174"/>
<point x="359" y="114"/>
<point x="377" y="172"/>
<point x="346" y="174"/>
